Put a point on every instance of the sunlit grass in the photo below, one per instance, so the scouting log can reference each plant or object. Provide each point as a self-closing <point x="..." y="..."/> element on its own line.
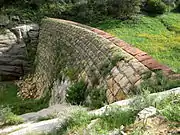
<point x="159" y="36"/>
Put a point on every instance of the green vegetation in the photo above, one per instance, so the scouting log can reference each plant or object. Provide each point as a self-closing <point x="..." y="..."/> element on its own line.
<point x="72" y="73"/>
<point x="76" y="94"/>
<point x="83" y="11"/>
<point x="105" y="67"/>
<point x="8" y="97"/>
<point x="155" y="7"/>
<point x="116" y="58"/>
<point x="170" y="108"/>
<point x="154" y="84"/>
<point x="115" y="117"/>
<point x="97" y="98"/>
<point x="110" y="120"/>
<point x="79" y="94"/>
<point x="8" y="118"/>
<point x="158" y="36"/>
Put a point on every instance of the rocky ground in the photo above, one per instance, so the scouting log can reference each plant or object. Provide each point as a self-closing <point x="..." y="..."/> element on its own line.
<point x="47" y="120"/>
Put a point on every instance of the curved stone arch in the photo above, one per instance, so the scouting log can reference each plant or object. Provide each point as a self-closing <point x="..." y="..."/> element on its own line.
<point x="93" y="53"/>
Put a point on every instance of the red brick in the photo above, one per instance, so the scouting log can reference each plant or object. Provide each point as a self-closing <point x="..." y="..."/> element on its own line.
<point x="116" y="41"/>
<point x="143" y="56"/>
<point x="164" y="68"/>
<point x="99" y="31"/>
<point x="107" y="36"/>
<point x="133" y="51"/>
<point x="112" y="39"/>
<point x="122" y="44"/>
<point x="151" y="63"/>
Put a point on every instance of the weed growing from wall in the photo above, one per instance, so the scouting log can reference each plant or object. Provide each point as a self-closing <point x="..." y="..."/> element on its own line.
<point x="105" y="67"/>
<point x="116" y="58"/>
<point x="71" y="73"/>
<point x="157" y="83"/>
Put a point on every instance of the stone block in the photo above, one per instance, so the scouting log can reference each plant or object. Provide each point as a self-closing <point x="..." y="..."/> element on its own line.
<point x="114" y="71"/>
<point x="124" y="81"/>
<point x="118" y="78"/>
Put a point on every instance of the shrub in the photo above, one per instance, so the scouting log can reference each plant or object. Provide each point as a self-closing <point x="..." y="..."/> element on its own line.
<point x="89" y="10"/>
<point x="115" y="118"/>
<point x="157" y="83"/>
<point x="155" y="7"/>
<point x="97" y="98"/>
<point x="9" y="118"/>
<point x="178" y="7"/>
<point x="53" y="9"/>
<point x="76" y="94"/>
<point x="124" y="9"/>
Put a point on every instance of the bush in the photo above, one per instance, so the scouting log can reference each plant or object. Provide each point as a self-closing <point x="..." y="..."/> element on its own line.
<point x="155" y="7"/>
<point x="97" y="98"/>
<point x="89" y="11"/>
<point x="53" y="9"/>
<point x="124" y="9"/>
<point x="116" y="117"/>
<point x="76" y="94"/>
<point x="178" y="7"/>
<point x="157" y="83"/>
<point x="9" y="118"/>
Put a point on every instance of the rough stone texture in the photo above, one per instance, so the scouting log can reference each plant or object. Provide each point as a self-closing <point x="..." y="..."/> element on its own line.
<point x="80" y="52"/>
<point x="12" y="55"/>
<point x="43" y="127"/>
<point x="13" y="50"/>
<point x="33" y="126"/>
<point x="76" y="52"/>
<point x="147" y="112"/>
<point x="54" y="110"/>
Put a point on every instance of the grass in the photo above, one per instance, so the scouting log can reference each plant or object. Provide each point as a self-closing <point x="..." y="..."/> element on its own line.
<point x="8" y="91"/>
<point x="170" y="108"/>
<point x="8" y="97"/>
<point x="159" y="36"/>
<point x="110" y="120"/>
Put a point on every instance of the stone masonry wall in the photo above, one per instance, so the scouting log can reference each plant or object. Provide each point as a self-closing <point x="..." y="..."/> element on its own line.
<point x="67" y="51"/>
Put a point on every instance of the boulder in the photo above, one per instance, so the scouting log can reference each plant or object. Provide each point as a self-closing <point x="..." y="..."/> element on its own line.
<point x="12" y="55"/>
<point x="13" y="50"/>
<point x="147" y="112"/>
